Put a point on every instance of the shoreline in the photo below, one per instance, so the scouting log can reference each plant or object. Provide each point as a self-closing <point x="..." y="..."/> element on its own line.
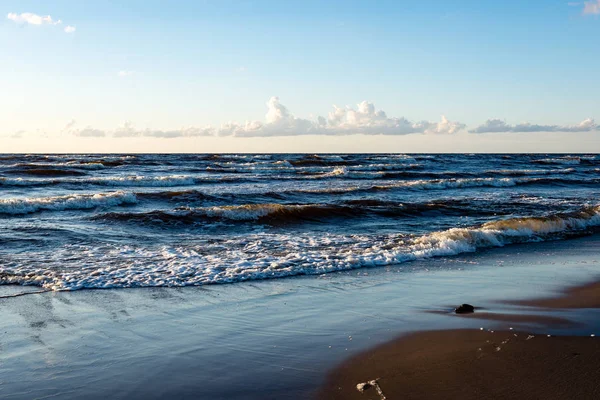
<point x="482" y="363"/>
<point x="267" y="339"/>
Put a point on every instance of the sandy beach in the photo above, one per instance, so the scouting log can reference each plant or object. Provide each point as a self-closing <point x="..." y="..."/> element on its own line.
<point x="280" y="338"/>
<point x="473" y="364"/>
<point x="482" y="363"/>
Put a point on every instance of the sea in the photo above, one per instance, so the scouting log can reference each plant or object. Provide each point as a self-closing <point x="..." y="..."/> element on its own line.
<point x="90" y="221"/>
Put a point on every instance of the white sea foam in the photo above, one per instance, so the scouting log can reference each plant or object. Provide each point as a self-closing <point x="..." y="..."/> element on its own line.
<point x="425" y="184"/>
<point x="133" y="180"/>
<point x="458" y="183"/>
<point x="339" y="171"/>
<point x="17" y="206"/>
<point x="385" y="167"/>
<point x="140" y="180"/>
<point x="265" y="255"/>
<point x="530" y="171"/>
<point x="72" y="164"/>
<point x="561" y="160"/>
<point x="25" y="182"/>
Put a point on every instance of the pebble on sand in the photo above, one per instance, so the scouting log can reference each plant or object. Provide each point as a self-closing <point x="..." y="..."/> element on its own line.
<point x="464" y="309"/>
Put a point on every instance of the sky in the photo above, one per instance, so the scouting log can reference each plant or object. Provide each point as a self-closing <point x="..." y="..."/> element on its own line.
<point x="299" y="76"/>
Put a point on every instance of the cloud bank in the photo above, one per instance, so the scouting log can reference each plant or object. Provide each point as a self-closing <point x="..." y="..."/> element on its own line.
<point x="500" y="126"/>
<point x="279" y="121"/>
<point x="364" y="119"/>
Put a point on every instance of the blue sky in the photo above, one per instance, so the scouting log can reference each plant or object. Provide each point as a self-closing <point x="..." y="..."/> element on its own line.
<point x="152" y="75"/>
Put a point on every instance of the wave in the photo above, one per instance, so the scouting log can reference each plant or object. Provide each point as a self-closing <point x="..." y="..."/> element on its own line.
<point x="560" y="160"/>
<point x="177" y="195"/>
<point x="47" y="172"/>
<point x="18" y="206"/>
<point x="133" y="180"/>
<point x="464" y="174"/>
<point x="161" y="181"/>
<point x="268" y="256"/>
<point x="194" y="195"/>
<point x="440" y="184"/>
<point x="274" y="213"/>
<point x="70" y="164"/>
<point x="221" y="170"/>
<point x="320" y="161"/>
<point x="140" y="180"/>
<point x="25" y="182"/>
<point x="386" y="167"/>
<point x="525" y="172"/>
<point x="270" y="212"/>
<point x="434" y="184"/>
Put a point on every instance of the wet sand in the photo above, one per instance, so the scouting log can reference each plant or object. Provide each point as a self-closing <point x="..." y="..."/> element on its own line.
<point x="473" y="364"/>
<point x="585" y="296"/>
<point x="483" y="363"/>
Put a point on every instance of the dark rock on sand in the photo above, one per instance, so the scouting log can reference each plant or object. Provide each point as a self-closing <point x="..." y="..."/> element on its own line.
<point x="464" y="309"/>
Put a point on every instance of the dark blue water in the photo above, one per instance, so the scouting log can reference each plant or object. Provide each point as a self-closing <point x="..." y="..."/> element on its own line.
<point x="118" y="221"/>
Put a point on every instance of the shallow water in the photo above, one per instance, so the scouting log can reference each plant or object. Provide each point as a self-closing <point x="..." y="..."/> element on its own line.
<point x="72" y="222"/>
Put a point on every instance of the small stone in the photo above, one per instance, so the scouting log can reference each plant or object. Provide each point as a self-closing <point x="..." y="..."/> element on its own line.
<point x="464" y="309"/>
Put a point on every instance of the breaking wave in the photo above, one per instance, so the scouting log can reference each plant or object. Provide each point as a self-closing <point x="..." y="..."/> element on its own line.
<point x="268" y="256"/>
<point x="273" y="213"/>
<point x="270" y="212"/>
<point x="70" y="202"/>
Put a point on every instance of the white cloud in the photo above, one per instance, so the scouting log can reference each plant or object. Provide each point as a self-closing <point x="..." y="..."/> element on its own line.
<point x="17" y="134"/>
<point x="341" y="121"/>
<point x="123" y="74"/>
<point x="498" y="125"/>
<point x="88" y="132"/>
<point x="591" y="7"/>
<point x="33" y="19"/>
<point x="129" y="130"/>
<point x="70" y="125"/>
<point x="366" y="120"/>
<point x="279" y="121"/>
